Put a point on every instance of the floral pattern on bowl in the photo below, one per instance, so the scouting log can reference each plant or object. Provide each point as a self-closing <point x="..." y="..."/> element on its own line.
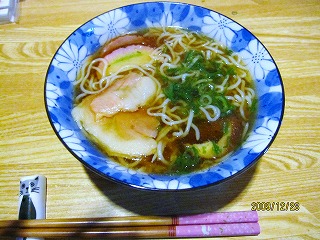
<point x="88" y="38"/>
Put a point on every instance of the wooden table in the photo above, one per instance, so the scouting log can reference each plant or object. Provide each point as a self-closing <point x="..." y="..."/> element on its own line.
<point x="289" y="172"/>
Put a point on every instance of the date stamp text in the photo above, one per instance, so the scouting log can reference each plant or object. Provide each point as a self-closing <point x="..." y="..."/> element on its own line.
<point x="275" y="206"/>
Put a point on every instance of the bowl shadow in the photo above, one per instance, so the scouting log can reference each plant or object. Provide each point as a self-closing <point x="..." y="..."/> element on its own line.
<point x="143" y="202"/>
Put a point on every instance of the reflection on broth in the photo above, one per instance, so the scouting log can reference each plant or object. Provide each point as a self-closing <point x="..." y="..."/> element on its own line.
<point x="166" y="101"/>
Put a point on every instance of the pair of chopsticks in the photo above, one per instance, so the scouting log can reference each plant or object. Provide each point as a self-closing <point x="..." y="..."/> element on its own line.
<point x="242" y="223"/>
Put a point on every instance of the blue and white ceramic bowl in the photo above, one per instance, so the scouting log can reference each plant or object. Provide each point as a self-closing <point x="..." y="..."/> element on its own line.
<point x="88" y="38"/>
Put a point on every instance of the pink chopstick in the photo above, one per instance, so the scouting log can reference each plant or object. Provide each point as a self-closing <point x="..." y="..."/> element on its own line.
<point x="241" y="223"/>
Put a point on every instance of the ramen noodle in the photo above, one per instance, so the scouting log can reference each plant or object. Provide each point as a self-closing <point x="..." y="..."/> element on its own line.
<point x="165" y="100"/>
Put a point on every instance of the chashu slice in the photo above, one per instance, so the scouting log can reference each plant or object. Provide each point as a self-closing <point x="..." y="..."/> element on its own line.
<point x="126" y="134"/>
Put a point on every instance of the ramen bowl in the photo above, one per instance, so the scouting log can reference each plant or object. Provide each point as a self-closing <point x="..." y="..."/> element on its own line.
<point x="92" y="35"/>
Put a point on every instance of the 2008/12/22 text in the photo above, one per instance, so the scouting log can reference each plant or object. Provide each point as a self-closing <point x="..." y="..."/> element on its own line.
<point x="275" y="206"/>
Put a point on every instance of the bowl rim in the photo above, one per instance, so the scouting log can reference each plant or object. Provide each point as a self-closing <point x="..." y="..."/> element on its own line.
<point x="144" y="188"/>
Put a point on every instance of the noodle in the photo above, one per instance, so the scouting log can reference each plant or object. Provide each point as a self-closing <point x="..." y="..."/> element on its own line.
<point x="200" y="87"/>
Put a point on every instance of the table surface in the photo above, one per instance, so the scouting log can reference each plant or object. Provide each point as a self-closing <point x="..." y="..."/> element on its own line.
<point x="289" y="172"/>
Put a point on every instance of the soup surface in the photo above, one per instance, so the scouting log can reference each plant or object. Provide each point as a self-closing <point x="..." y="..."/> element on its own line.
<point x="166" y="101"/>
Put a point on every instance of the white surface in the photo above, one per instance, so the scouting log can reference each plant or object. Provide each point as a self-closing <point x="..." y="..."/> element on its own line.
<point x="8" y="11"/>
